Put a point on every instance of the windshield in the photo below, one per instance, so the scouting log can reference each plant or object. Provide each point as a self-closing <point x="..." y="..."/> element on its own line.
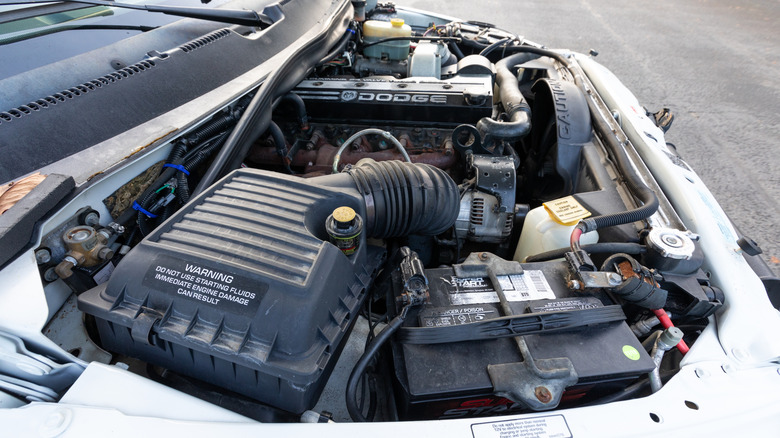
<point x="34" y="35"/>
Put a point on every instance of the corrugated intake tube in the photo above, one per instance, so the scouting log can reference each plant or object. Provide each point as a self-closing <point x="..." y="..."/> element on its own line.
<point x="405" y="198"/>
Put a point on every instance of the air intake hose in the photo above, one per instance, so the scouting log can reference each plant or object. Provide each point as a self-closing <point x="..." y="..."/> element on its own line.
<point x="404" y="198"/>
<point x="400" y="198"/>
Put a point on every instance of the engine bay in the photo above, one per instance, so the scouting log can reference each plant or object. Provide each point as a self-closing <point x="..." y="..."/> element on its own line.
<point x="450" y="199"/>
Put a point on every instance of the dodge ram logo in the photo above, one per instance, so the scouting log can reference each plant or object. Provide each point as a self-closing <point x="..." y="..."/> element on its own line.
<point x="348" y="95"/>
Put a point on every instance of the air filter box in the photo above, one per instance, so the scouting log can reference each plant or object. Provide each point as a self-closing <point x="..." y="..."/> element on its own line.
<point x="241" y="289"/>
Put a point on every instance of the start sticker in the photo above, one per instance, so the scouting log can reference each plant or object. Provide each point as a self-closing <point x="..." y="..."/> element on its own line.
<point x="551" y="426"/>
<point x="215" y="287"/>
<point x="566" y="211"/>
<point x="528" y="286"/>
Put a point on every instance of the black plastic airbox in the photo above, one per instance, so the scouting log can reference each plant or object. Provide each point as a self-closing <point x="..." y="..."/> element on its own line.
<point x="241" y="289"/>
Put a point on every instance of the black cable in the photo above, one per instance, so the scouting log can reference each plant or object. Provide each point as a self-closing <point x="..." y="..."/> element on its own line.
<point x="339" y="48"/>
<point x="486" y="51"/>
<point x="360" y="367"/>
<point x="194" y="159"/>
<point x="148" y="196"/>
<point x="630" y="391"/>
<point x="415" y="38"/>
<point x="595" y="248"/>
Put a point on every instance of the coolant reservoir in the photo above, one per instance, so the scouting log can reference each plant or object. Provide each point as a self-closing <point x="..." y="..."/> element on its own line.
<point x="543" y="233"/>
<point x="374" y="30"/>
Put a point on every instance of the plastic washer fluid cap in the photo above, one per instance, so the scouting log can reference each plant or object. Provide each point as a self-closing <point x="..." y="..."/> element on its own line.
<point x="397" y="22"/>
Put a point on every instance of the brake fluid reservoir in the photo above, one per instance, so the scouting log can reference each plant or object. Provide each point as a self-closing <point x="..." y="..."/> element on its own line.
<point x="543" y="233"/>
<point x="374" y="31"/>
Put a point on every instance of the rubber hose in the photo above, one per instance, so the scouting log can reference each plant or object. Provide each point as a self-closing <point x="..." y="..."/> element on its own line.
<point x="595" y="248"/>
<point x="278" y="137"/>
<point x="255" y="118"/>
<point x="515" y="106"/>
<point x="300" y="108"/>
<point x="405" y="198"/>
<point x="634" y="183"/>
<point x="455" y="50"/>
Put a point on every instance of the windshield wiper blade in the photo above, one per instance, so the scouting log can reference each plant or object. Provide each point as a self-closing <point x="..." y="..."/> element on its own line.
<point x="244" y="17"/>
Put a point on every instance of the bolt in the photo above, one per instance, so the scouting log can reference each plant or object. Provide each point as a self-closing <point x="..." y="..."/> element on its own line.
<point x="574" y="285"/>
<point x="483" y="256"/>
<point x="615" y="279"/>
<point x="50" y="275"/>
<point x="543" y="394"/>
<point x="42" y="256"/>
<point x="92" y="219"/>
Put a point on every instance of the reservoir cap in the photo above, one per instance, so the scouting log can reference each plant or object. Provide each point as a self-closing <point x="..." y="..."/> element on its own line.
<point x="344" y="216"/>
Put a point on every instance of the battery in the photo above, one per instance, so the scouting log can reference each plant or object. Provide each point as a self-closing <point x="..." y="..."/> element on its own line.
<point x="451" y="380"/>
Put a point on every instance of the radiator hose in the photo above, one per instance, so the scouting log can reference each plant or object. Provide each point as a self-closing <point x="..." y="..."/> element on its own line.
<point x="517" y="110"/>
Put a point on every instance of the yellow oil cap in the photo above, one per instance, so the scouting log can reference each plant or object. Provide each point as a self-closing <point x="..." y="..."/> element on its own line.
<point x="397" y="22"/>
<point x="344" y="215"/>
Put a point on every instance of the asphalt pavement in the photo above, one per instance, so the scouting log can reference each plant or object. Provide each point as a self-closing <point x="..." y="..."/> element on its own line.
<point x="715" y="63"/>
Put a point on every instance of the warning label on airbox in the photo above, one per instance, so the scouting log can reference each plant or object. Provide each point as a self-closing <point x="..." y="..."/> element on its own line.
<point x="196" y="281"/>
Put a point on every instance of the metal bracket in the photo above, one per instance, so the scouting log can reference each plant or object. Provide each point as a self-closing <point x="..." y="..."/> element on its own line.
<point x="538" y="384"/>
<point x="478" y="264"/>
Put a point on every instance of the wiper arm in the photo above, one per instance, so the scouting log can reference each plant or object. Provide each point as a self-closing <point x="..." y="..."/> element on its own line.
<point x="245" y="17"/>
<point x="67" y="27"/>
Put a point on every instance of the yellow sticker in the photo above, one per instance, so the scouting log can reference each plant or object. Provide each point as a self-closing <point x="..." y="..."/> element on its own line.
<point x="566" y="211"/>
